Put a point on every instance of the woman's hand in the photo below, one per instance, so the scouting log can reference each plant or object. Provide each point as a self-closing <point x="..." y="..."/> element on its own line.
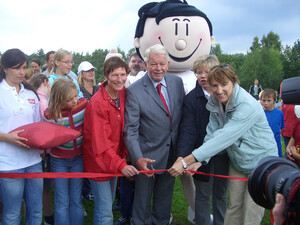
<point x="129" y="171"/>
<point x="14" y="139"/>
<point x="193" y="167"/>
<point x="177" y="168"/>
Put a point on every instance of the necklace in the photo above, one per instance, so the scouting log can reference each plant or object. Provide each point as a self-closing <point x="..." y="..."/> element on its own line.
<point x="110" y="95"/>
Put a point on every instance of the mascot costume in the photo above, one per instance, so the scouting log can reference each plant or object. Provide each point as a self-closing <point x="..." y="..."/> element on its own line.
<point x="183" y="29"/>
<point x="186" y="32"/>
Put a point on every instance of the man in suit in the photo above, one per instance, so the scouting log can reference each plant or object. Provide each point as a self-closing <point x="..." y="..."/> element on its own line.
<point x="152" y="120"/>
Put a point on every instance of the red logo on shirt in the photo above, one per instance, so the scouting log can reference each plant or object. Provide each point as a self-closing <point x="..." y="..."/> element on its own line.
<point x="31" y="101"/>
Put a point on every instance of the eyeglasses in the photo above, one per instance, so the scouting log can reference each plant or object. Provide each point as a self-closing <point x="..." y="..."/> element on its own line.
<point x="67" y="62"/>
<point x="202" y="72"/>
<point x="222" y="66"/>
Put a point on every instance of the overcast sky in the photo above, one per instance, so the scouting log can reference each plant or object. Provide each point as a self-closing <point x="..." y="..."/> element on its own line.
<point x="87" y="25"/>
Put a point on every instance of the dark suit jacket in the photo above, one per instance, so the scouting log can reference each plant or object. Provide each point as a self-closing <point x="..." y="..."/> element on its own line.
<point x="195" y="118"/>
<point x="148" y="132"/>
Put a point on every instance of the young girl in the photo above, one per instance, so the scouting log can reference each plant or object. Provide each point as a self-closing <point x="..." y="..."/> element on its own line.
<point x="66" y="109"/>
<point x="62" y="67"/>
<point x="42" y="86"/>
<point x="19" y="106"/>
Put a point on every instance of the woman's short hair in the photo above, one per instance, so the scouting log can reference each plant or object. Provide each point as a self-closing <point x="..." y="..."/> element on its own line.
<point x="207" y="60"/>
<point x="221" y="73"/>
<point x="113" y="63"/>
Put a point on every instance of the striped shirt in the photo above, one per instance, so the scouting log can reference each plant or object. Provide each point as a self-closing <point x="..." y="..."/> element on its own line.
<point x="72" y="118"/>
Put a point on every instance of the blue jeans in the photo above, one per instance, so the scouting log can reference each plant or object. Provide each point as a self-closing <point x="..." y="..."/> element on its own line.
<point x="104" y="194"/>
<point x="67" y="192"/>
<point x="11" y="194"/>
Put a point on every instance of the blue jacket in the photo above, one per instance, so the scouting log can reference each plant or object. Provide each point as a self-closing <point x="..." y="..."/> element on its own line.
<point x="243" y="131"/>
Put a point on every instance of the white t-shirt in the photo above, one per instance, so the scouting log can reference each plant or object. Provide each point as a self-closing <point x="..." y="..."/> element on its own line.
<point x="131" y="79"/>
<point x="17" y="109"/>
<point x="189" y="80"/>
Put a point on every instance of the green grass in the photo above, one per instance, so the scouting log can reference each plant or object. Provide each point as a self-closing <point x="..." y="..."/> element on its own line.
<point x="179" y="209"/>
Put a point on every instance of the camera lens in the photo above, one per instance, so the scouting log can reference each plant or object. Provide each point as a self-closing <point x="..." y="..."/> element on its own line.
<point x="272" y="175"/>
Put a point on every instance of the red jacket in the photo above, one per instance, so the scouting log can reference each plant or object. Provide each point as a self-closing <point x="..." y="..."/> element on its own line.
<point x="103" y="146"/>
<point x="290" y="120"/>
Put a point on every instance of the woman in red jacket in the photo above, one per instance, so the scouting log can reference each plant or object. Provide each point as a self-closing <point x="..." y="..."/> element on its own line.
<point x="103" y="147"/>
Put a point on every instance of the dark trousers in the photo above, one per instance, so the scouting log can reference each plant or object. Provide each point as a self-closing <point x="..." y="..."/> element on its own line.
<point x="160" y="190"/>
<point x="126" y="196"/>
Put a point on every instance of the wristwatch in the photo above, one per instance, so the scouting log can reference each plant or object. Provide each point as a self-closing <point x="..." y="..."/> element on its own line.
<point x="184" y="165"/>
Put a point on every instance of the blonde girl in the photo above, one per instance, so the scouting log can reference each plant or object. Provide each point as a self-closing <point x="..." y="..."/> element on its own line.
<point x="66" y="109"/>
<point x="62" y="68"/>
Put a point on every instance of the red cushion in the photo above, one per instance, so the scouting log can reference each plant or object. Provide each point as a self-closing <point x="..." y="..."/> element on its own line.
<point x="43" y="135"/>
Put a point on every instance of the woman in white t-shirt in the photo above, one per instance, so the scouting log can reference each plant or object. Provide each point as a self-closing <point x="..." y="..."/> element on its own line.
<point x="19" y="106"/>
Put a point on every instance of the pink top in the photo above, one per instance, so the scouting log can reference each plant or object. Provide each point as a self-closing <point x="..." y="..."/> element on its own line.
<point x="43" y="103"/>
<point x="43" y="106"/>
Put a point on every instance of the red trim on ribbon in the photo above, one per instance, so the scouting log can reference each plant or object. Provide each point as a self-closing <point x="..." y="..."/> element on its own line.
<point x="98" y="175"/>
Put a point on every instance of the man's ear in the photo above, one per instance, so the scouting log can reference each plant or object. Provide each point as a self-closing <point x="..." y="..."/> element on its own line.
<point x="136" y="42"/>
<point x="213" y="40"/>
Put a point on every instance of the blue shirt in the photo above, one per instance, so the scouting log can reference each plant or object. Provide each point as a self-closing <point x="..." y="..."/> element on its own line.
<point x="276" y="122"/>
<point x="54" y="76"/>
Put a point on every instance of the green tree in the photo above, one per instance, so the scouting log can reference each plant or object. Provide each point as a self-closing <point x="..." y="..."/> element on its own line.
<point x="291" y="60"/>
<point x="272" y="40"/>
<point x="235" y="60"/>
<point x="216" y="50"/>
<point x="128" y="54"/>
<point x="264" y="64"/>
<point x="255" y="45"/>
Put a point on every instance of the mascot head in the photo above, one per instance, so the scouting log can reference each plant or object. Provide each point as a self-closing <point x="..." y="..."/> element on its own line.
<point x="183" y="29"/>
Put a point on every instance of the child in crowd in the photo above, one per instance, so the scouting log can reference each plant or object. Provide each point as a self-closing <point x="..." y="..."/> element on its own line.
<point x="42" y="86"/>
<point x="274" y="116"/>
<point x="66" y="109"/>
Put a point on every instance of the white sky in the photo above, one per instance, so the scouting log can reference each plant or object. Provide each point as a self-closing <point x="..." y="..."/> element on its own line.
<point x="86" y="25"/>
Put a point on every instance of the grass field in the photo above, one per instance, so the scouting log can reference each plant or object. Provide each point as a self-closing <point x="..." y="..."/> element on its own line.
<point x="179" y="209"/>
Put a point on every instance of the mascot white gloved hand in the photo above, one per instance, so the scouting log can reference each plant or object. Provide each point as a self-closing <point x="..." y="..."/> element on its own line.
<point x="183" y="29"/>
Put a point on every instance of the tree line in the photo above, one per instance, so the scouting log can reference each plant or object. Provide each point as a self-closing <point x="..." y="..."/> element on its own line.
<point x="266" y="60"/>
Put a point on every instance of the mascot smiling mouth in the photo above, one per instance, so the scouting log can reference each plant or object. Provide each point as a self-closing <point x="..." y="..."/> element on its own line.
<point x="182" y="59"/>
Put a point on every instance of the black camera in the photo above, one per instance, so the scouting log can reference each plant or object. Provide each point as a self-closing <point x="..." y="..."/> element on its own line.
<point x="276" y="175"/>
<point x="290" y="91"/>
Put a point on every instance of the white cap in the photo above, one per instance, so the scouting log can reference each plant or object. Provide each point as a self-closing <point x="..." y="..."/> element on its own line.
<point x="85" y="66"/>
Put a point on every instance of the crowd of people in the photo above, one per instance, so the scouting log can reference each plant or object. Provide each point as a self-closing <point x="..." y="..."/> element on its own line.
<point x="138" y="119"/>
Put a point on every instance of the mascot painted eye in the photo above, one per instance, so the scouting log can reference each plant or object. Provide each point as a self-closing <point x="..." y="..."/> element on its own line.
<point x="183" y="29"/>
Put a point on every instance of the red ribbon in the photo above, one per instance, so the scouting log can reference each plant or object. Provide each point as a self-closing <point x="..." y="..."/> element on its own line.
<point x="98" y="175"/>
